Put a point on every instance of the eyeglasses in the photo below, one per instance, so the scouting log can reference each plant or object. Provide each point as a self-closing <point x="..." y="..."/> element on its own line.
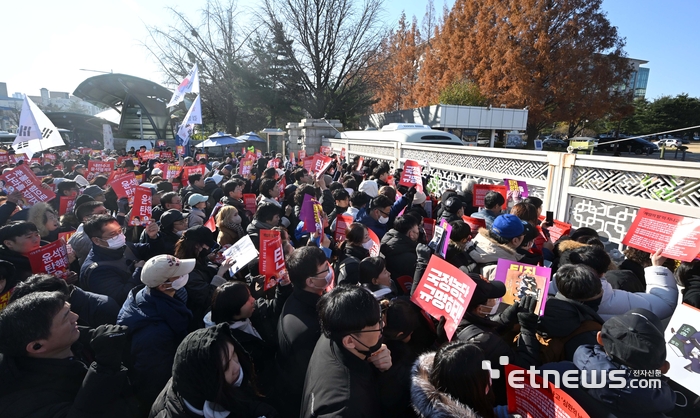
<point x="383" y="213"/>
<point x="381" y="329"/>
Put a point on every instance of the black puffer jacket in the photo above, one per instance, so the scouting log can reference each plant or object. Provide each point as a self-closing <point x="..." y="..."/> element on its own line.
<point x="400" y="253"/>
<point x="691" y="294"/>
<point x="562" y="317"/>
<point x="347" y="268"/>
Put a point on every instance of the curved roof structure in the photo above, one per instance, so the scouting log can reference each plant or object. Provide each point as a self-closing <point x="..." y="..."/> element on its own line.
<point x="86" y="129"/>
<point x="130" y="95"/>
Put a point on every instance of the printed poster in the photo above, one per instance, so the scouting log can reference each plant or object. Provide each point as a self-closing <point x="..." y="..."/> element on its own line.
<point x="245" y="166"/>
<point x="319" y="165"/>
<point x="374" y="251"/>
<point x="411" y="175"/>
<point x="474" y="224"/>
<point x="95" y="168"/>
<point x="480" y="191"/>
<point x="444" y="290"/>
<point x="678" y="236"/>
<point x="22" y="179"/>
<point x="325" y="150"/>
<point x="243" y="252"/>
<point x="141" y="211"/>
<point x="523" y="279"/>
<point x="516" y="186"/>
<point x="540" y="402"/>
<point x="558" y="230"/>
<point x="66" y="204"/>
<point x="429" y="228"/>
<point x="342" y="222"/>
<point x="190" y="170"/>
<point x="271" y="261"/>
<point x="124" y="185"/>
<point x="683" y="347"/>
<point x="50" y="259"/>
<point x="441" y="238"/>
<point x="249" y="202"/>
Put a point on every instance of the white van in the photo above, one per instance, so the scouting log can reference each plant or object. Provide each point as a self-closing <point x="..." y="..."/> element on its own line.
<point x="408" y="133"/>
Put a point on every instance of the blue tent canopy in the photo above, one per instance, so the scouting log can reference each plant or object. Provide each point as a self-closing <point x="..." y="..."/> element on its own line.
<point x="219" y="139"/>
<point x="250" y="136"/>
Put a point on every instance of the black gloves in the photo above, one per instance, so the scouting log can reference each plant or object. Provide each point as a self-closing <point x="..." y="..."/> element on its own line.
<point x="440" y="330"/>
<point x="411" y="193"/>
<point x="423" y="252"/>
<point x="527" y="318"/>
<point x="108" y="342"/>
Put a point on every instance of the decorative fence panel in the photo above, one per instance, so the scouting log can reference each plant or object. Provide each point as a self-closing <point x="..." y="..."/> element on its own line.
<point x="601" y="192"/>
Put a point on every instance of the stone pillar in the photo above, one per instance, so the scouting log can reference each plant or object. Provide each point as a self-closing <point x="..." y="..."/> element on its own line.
<point x="312" y="132"/>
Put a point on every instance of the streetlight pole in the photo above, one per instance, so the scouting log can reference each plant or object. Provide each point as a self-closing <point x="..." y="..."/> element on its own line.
<point x="138" y="113"/>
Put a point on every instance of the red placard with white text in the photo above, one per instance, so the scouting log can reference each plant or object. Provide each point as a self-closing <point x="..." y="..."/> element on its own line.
<point x="258" y="153"/>
<point x="198" y="157"/>
<point x="249" y="202"/>
<point x="271" y="260"/>
<point x="50" y="259"/>
<point x="342" y="222"/>
<point x="677" y="236"/>
<point x="274" y="163"/>
<point x="444" y="290"/>
<point x="480" y="191"/>
<point x="539" y="401"/>
<point x="342" y="153"/>
<point x="429" y="227"/>
<point x="124" y="185"/>
<point x="411" y="175"/>
<point x="141" y="211"/>
<point x="15" y="158"/>
<point x="324" y="150"/>
<point x="292" y="158"/>
<point x="180" y="150"/>
<point x="558" y="230"/>
<point x="211" y="222"/>
<point x="190" y="170"/>
<point x="319" y="164"/>
<point x="281" y="185"/>
<point x="22" y="179"/>
<point x="95" y="168"/>
<point x="65" y="236"/>
<point x="244" y="167"/>
<point x="374" y="251"/>
<point x="4" y="156"/>
<point x="360" y="162"/>
<point x="66" y="205"/>
<point x="302" y="154"/>
<point x="474" y="224"/>
<point x="171" y="170"/>
<point x="308" y="163"/>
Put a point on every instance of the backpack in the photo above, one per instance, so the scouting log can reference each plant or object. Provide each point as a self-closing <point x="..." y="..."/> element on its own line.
<point x="552" y="349"/>
<point x="473" y="266"/>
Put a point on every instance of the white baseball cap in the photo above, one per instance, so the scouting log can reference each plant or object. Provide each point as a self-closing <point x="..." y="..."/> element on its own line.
<point x="160" y="268"/>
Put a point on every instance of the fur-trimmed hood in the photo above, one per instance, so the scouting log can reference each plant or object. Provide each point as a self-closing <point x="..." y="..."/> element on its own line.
<point x="427" y="400"/>
<point x="488" y="251"/>
<point x="569" y="244"/>
<point x="37" y="216"/>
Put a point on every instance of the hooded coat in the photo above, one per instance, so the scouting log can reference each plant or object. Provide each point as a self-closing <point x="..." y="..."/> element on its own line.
<point x="691" y="293"/>
<point x="400" y="253"/>
<point x="157" y="324"/>
<point x="347" y="268"/>
<point x="488" y="251"/>
<point x="428" y="401"/>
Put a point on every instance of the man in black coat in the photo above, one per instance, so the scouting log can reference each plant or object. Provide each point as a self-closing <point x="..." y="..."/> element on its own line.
<point x="41" y="373"/>
<point x="298" y="328"/>
<point x="342" y="378"/>
<point x="399" y="247"/>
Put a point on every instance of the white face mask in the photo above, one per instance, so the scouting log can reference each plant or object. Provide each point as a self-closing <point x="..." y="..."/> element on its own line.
<point x="179" y="233"/>
<point x="116" y="242"/>
<point x="368" y="245"/>
<point x="238" y="381"/>
<point x="328" y="279"/>
<point x="383" y="220"/>
<point x="180" y="282"/>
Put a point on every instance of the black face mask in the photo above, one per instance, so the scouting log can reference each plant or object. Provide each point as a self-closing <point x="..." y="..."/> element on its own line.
<point x="594" y="303"/>
<point x="341" y="209"/>
<point x="370" y="350"/>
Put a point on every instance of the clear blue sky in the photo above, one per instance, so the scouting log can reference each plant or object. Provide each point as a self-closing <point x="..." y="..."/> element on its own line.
<point x="46" y="42"/>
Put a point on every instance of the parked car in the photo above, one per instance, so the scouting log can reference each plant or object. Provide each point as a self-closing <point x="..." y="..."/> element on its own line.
<point x="555" y="143"/>
<point x="637" y="145"/>
<point x="669" y="142"/>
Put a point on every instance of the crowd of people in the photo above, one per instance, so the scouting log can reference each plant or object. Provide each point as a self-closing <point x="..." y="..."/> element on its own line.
<point x="150" y="322"/>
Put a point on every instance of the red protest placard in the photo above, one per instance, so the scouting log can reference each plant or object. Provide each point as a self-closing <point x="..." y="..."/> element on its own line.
<point x="166" y="155"/>
<point x="271" y="260"/>
<point x="342" y="153"/>
<point x="124" y="185"/>
<point x="249" y="202"/>
<point x="308" y="163"/>
<point x="4" y="156"/>
<point x="480" y="191"/>
<point x="558" y="230"/>
<point x="360" y="162"/>
<point x="275" y="163"/>
<point x="22" y="179"/>
<point x="537" y="399"/>
<point x="180" y="150"/>
<point x="258" y="153"/>
<point x="66" y="205"/>
<point x="84" y="151"/>
<point x="244" y="167"/>
<point x="199" y="156"/>
<point x="141" y="211"/>
<point x="281" y="185"/>
<point x="292" y="158"/>
<point x="342" y="222"/>
<point x="374" y="251"/>
<point x="65" y="236"/>
<point x="160" y="143"/>
<point x="15" y="158"/>
<point x="211" y="222"/>
<point x="319" y="164"/>
<point x="50" y="259"/>
<point x="429" y="227"/>
<point x="96" y="167"/>
<point x="190" y="170"/>
<point x="171" y="171"/>
<point x="302" y="154"/>
<point x="324" y="150"/>
<point x="411" y="175"/>
<point x="444" y="290"/>
<point x="474" y="224"/>
<point x="678" y="236"/>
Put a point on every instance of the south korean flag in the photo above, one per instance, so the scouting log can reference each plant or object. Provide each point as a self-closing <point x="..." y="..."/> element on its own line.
<point x="36" y="133"/>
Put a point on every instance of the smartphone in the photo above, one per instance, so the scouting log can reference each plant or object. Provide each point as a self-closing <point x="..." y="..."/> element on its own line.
<point x="550" y="217"/>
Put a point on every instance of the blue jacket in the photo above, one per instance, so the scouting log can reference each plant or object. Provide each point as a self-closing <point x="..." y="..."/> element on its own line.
<point x="619" y="401"/>
<point x="486" y="215"/>
<point x="381" y="229"/>
<point x="157" y="324"/>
